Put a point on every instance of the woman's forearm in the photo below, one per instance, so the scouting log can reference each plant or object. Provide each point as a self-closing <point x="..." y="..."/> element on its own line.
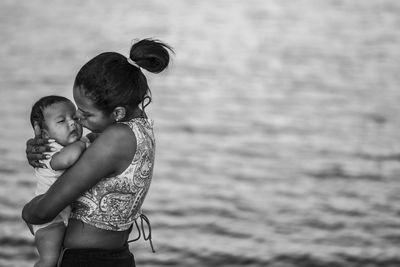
<point x="102" y="159"/>
<point x="33" y="214"/>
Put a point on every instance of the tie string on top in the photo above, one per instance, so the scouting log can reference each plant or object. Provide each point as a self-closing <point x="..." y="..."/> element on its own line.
<point x="133" y="63"/>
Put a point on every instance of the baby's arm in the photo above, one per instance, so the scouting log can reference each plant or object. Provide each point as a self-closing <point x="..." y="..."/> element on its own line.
<point x="67" y="156"/>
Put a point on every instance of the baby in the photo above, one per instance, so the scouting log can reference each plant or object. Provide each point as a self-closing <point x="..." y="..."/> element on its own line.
<point x="55" y="115"/>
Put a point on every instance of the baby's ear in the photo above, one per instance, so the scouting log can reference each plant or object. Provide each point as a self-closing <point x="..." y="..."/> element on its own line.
<point x="45" y="134"/>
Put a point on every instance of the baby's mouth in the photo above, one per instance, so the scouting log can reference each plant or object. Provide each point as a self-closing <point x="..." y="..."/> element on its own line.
<point x="74" y="132"/>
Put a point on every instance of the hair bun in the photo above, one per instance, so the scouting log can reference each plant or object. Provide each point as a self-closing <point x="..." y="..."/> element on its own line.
<point x="152" y="55"/>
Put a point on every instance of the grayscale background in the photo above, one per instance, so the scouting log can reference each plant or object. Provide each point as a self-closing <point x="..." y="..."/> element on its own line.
<point x="277" y="124"/>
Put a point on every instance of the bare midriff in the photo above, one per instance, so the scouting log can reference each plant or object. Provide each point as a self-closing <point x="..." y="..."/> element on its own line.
<point x="82" y="235"/>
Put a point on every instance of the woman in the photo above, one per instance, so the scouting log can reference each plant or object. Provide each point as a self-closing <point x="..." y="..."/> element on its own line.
<point x="108" y="184"/>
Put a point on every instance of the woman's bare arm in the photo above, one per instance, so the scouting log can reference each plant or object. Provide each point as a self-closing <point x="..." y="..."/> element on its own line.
<point x="110" y="154"/>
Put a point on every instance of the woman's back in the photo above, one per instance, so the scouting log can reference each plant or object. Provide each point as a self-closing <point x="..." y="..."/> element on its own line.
<point x="82" y="235"/>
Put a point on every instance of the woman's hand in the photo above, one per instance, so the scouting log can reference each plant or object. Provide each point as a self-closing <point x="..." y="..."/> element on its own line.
<point x="36" y="148"/>
<point x="30" y="228"/>
<point x="92" y="136"/>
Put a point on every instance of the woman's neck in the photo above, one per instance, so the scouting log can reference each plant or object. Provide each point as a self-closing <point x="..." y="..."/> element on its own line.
<point x="135" y="113"/>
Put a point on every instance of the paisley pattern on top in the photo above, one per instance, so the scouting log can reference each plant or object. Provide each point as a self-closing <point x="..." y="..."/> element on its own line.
<point x="115" y="202"/>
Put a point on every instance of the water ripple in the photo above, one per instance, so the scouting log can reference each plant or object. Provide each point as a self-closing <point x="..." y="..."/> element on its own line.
<point x="13" y="241"/>
<point x="337" y="172"/>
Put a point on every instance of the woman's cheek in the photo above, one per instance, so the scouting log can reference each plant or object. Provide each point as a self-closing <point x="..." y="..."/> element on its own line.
<point x="83" y="123"/>
<point x="90" y="125"/>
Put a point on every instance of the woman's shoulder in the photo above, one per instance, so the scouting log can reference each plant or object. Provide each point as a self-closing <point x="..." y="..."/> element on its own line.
<point x="116" y="136"/>
<point x="118" y="128"/>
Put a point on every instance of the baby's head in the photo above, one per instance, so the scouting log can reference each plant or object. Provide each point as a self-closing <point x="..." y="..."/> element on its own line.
<point x="56" y="118"/>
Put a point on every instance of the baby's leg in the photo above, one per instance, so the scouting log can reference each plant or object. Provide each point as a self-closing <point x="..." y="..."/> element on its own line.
<point x="48" y="242"/>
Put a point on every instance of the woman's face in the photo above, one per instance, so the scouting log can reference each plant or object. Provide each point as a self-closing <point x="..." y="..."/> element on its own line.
<point x="90" y="117"/>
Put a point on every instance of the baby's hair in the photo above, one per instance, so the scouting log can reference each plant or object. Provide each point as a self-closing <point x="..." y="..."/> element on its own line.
<point x="41" y="104"/>
<point x="109" y="80"/>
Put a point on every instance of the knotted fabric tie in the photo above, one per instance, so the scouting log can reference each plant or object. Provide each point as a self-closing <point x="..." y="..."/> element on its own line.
<point x="143" y="218"/>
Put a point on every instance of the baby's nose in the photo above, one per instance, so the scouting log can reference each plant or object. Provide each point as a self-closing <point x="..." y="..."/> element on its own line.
<point x="72" y="123"/>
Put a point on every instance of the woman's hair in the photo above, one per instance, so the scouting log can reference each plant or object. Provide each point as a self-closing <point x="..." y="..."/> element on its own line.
<point x="110" y="81"/>
<point x="41" y="104"/>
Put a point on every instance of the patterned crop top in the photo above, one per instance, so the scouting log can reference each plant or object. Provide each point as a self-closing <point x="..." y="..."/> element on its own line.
<point x="115" y="203"/>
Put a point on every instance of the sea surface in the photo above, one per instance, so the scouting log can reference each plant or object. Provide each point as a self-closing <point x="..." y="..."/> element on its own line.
<point x="277" y="125"/>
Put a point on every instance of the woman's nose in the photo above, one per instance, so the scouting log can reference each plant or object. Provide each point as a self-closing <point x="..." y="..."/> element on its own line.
<point x="79" y="117"/>
<point x="78" y="114"/>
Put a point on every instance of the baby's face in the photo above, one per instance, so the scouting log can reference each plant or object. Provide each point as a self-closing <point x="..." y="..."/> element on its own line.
<point x="61" y="123"/>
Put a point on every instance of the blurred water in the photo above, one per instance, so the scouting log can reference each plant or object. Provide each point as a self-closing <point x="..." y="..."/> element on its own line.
<point x="277" y="124"/>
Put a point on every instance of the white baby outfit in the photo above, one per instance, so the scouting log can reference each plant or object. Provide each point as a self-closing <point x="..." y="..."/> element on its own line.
<point x="45" y="178"/>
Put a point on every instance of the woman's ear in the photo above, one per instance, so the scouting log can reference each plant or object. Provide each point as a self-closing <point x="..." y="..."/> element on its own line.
<point x="119" y="113"/>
